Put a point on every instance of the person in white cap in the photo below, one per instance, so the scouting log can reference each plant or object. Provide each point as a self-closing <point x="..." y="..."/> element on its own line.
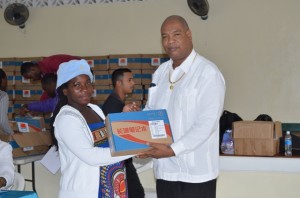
<point x="87" y="168"/>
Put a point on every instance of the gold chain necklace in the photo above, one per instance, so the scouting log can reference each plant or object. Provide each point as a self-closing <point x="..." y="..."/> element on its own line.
<point x="172" y="83"/>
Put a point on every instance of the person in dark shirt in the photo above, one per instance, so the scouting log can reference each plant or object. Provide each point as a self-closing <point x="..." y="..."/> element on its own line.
<point x="123" y="83"/>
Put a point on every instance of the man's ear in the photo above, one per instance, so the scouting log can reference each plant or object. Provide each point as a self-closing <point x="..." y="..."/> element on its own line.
<point x="189" y="34"/>
<point x="118" y="83"/>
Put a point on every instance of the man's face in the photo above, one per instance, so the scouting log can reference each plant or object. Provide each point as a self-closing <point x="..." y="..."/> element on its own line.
<point x="34" y="73"/>
<point x="176" y="40"/>
<point x="127" y="83"/>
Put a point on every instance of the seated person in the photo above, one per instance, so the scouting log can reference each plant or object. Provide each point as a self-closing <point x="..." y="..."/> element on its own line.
<point x="44" y="106"/>
<point x="7" y="168"/>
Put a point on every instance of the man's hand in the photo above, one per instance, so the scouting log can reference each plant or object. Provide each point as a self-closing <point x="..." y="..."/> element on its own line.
<point x="131" y="107"/>
<point x="157" y="150"/>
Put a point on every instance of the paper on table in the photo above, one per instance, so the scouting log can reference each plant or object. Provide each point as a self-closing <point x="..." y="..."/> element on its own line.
<point x="51" y="160"/>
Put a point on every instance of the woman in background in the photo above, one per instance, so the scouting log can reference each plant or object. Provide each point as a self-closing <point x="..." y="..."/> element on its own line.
<point x="87" y="168"/>
<point x="4" y="125"/>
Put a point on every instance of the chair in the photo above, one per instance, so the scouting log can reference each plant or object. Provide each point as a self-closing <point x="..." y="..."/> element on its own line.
<point x="19" y="182"/>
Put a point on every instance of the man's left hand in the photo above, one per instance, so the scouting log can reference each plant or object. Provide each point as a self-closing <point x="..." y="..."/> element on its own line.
<point x="157" y="151"/>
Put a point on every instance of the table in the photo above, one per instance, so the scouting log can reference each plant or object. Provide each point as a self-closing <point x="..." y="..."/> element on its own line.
<point x="275" y="164"/>
<point x="25" y="160"/>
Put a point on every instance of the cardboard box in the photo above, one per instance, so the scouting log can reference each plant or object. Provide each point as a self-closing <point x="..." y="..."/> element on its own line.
<point x="7" y="64"/>
<point x="131" y="61"/>
<point x="27" y="92"/>
<point x="101" y="92"/>
<point x="146" y="90"/>
<point x="97" y="62"/>
<point x="258" y="138"/>
<point x="152" y="61"/>
<point x="27" y="143"/>
<point x="30" y="124"/>
<point x="10" y="78"/>
<point x="10" y="92"/>
<point x="101" y="77"/>
<point x="147" y="76"/>
<point x="129" y="132"/>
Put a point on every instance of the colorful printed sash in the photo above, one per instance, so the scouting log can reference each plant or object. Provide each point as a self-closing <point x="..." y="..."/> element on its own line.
<point x="113" y="182"/>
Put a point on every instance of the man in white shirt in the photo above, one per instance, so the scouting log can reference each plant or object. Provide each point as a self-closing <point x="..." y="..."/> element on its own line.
<point x="7" y="169"/>
<point x="192" y="89"/>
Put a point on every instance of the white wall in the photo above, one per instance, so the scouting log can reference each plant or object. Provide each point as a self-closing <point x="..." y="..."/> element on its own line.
<point x="256" y="45"/>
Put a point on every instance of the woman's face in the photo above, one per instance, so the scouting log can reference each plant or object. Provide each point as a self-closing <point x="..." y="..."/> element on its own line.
<point x="79" y="91"/>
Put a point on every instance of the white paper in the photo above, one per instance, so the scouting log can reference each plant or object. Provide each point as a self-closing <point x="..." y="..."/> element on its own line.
<point x="51" y="160"/>
<point x="157" y="129"/>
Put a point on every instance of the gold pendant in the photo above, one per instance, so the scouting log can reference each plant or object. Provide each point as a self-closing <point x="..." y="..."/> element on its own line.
<point x="171" y="87"/>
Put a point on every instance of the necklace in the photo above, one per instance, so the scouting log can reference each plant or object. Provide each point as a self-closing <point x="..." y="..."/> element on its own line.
<point x="173" y="83"/>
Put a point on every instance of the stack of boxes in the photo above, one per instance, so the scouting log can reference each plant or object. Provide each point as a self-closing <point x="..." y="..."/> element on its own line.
<point x="150" y="63"/>
<point x="22" y="91"/>
<point x="19" y="90"/>
<point x="99" y="66"/>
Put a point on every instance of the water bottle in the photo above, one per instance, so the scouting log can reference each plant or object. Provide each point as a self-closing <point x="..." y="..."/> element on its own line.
<point x="227" y="143"/>
<point x="288" y="144"/>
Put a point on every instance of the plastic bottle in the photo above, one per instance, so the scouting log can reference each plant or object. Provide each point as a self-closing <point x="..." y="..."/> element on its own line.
<point x="227" y="146"/>
<point x="288" y="144"/>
